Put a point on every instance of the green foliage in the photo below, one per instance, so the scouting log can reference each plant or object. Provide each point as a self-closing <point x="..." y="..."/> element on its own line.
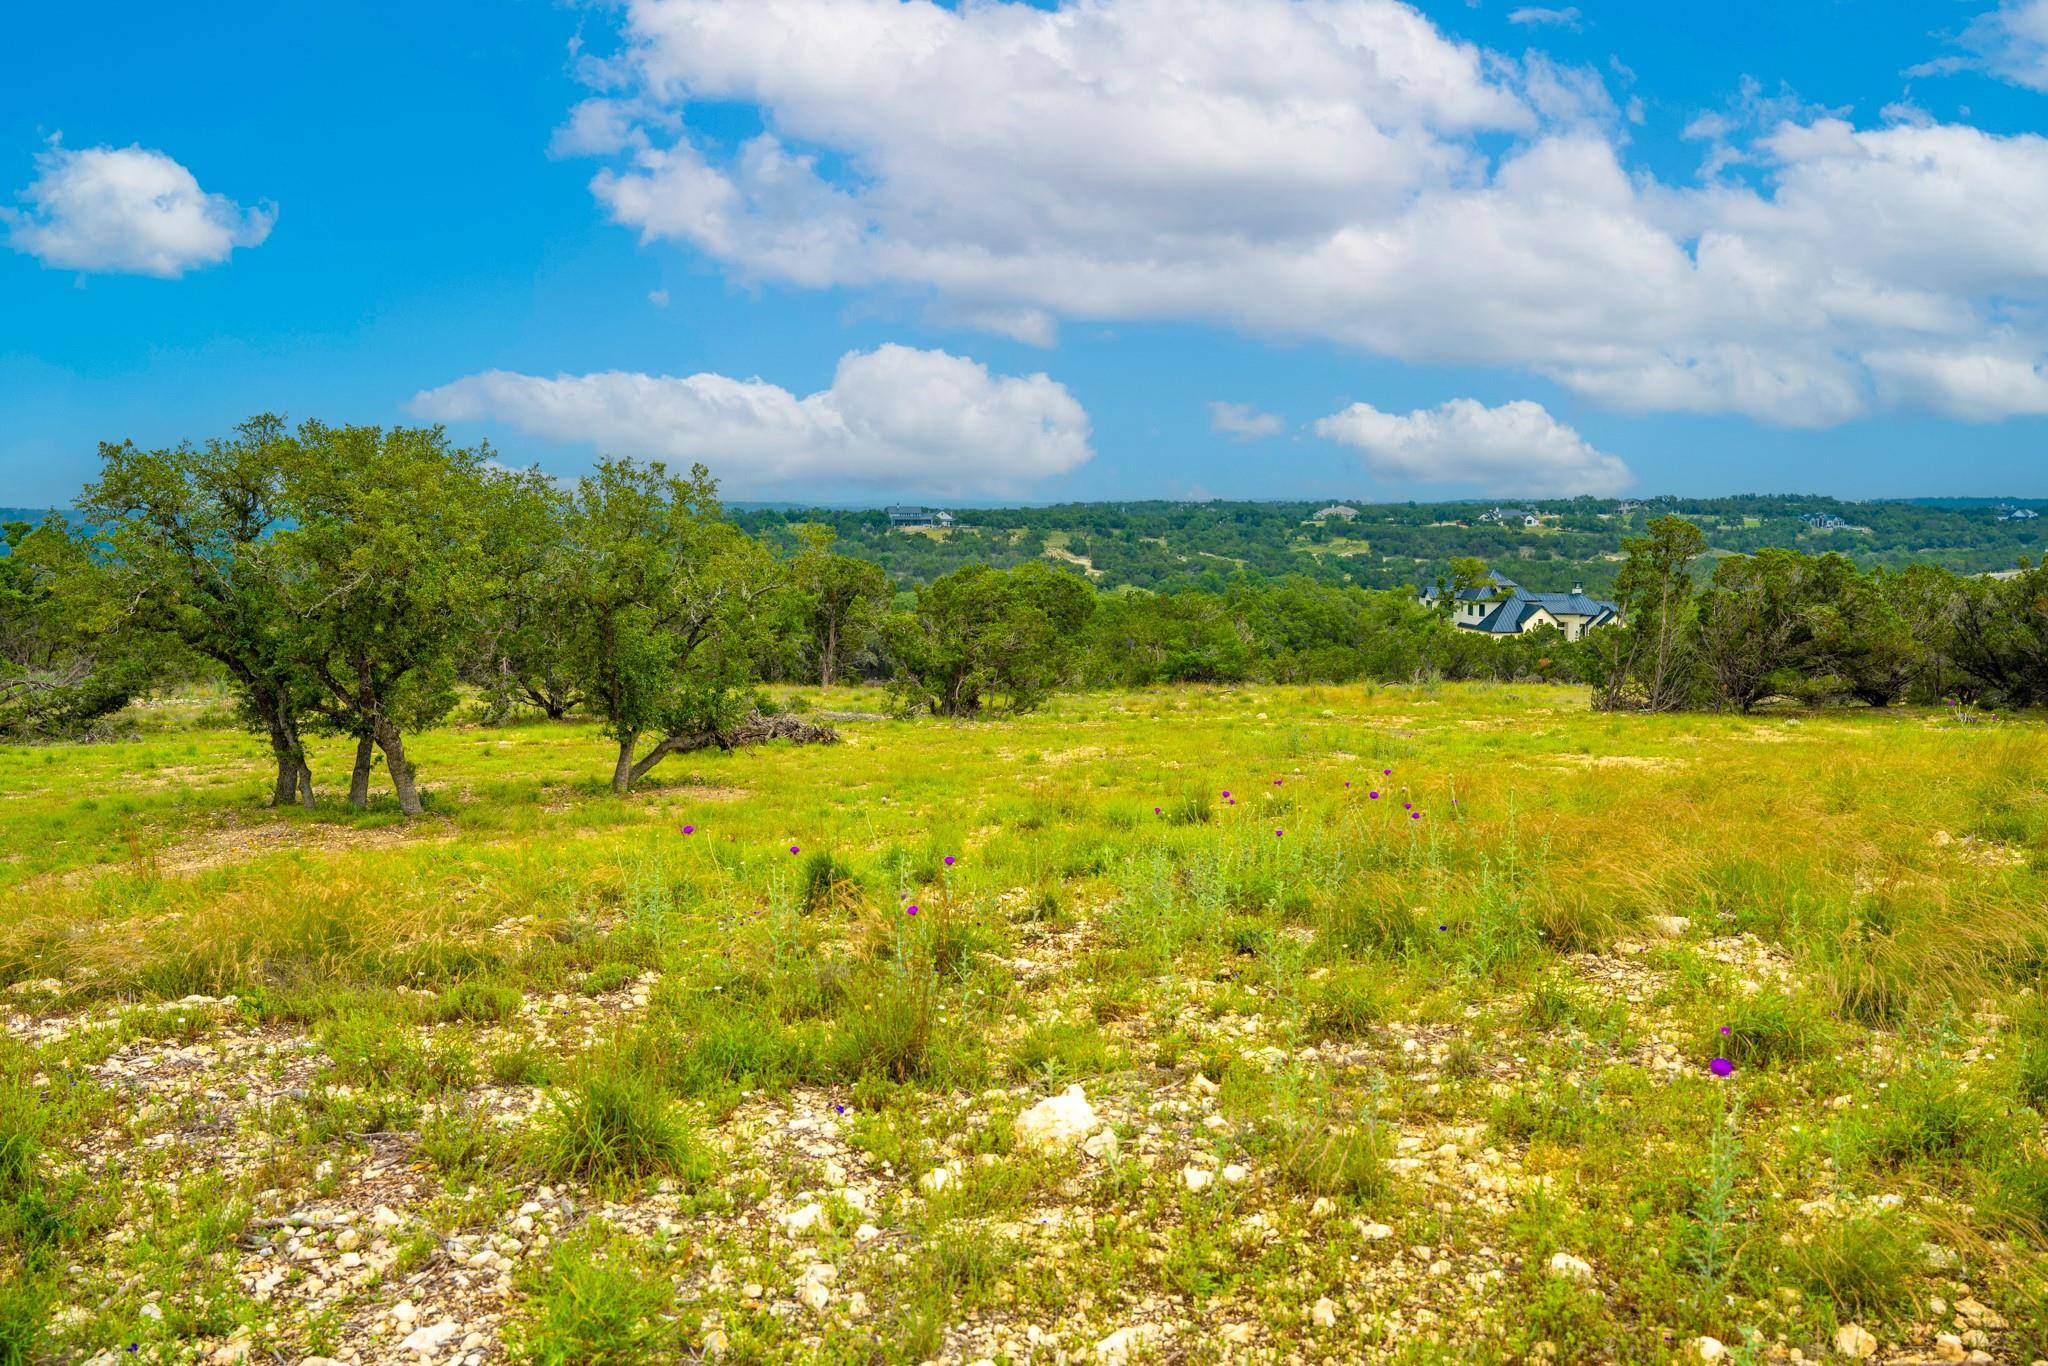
<point x="602" y="1301"/>
<point x="988" y="639"/>
<point x="665" y="605"/>
<point x="616" y="1127"/>
<point x="1863" y="1265"/>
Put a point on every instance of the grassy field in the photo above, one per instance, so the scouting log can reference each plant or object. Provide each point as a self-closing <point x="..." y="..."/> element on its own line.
<point x="1469" y="1025"/>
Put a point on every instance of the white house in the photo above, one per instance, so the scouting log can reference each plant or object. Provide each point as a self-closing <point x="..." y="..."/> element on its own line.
<point x="1502" y="607"/>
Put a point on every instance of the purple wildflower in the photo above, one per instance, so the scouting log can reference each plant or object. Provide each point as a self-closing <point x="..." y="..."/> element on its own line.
<point x="689" y="830"/>
<point x="795" y="849"/>
<point x="949" y="860"/>
<point x="1414" y="815"/>
<point x="1721" y="1067"/>
<point x="1374" y="795"/>
<point x="1278" y="833"/>
<point x="911" y="909"/>
<point x="1724" y="1031"/>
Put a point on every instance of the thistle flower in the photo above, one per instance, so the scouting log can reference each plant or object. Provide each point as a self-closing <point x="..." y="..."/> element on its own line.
<point x="795" y="849"/>
<point x="689" y="830"/>
<point x="1721" y="1067"/>
<point x="949" y="860"/>
<point x="911" y="909"/>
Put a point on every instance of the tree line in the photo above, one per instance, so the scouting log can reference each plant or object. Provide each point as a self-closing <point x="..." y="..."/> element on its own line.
<point x="1814" y="628"/>
<point x="358" y="581"/>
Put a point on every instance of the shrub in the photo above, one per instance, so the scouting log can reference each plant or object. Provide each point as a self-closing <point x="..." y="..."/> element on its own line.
<point x="617" y="1128"/>
<point x="1863" y="1265"/>
<point x="597" y="1303"/>
<point x="1346" y="1002"/>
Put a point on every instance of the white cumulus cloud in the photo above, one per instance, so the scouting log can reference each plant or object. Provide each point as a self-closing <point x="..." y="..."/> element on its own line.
<point x="1517" y="448"/>
<point x="127" y="210"/>
<point x="1242" y="422"/>
<point x="894" y="417"/>
<point x="1331" y="169"/>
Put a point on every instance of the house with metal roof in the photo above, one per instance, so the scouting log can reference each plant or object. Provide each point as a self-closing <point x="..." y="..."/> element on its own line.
<point x="910" y="516"/>
<point x="1501" y="607"/>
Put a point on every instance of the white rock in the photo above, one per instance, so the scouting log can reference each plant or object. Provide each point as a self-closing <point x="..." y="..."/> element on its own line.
<point x="1324" y="1313"/>
<point x="384" y="1217"/>
<point x="1116" y="1349"/>
<point x="403" y="1312"/>
<point x="1057" y="1121"/>
<point x="1235" y="1174"/>
<point x="1566" y="1267"/>
<point x="429" y="1340"/>
<point x="1670" y="926"/>
<point x="1374" y="1233"/>
<point x="811" y="1216"/>
<point x="1197" y="1178"/>
<point x="1101" y="1144"/>
<point x="937" y="1179"/>
<point x="1853" y="1340"/>
<point x="1708" y="1349"/>
<point x="866" y="1233"/>
<point x="814" y="1295"/>
<point x="154" y="1313"/>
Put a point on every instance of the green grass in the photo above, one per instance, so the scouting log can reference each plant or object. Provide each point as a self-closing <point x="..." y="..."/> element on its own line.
<point x="1484" y="1034"/>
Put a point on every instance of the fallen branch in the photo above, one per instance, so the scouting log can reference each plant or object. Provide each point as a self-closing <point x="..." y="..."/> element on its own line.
<point x="755" y="730"/>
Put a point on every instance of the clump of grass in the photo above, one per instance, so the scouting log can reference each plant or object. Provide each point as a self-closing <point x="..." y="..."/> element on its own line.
<point x="1346" y="1001"/>
<point x="1770" y="1026"/>
<point x="1863" y="1265"/>
<point x="21" y="1134"/>
<point x="371" y="1049"/>
<point x="475" y="1001"/>
<point x="1344" y="1160"/>
<point x="889" y="1031"/>
<point x="616" y="1128"/>
<point x="519" y="1066"/>
<point x="1059" y="1051"/>
<point x="1928" y="1113"/>
<point x="458" y="1141"/>
<point x="599" y="1302"/>
<point x="825" y="883"/>
<point x="609" y="975"/>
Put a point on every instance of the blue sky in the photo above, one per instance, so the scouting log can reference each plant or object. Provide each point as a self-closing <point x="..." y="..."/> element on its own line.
<point x="383" y="204"/>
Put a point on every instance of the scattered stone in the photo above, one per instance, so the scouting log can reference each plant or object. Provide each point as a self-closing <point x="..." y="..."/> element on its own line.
<point x="1324" y="1313"/>
<point x="1116" y="1349"/>
<point x="1577" y="1270"/>
<point x="1235" y="1174"/>
<point x="1057" y="1121"/>
<point x="1709" y="1349"/>
<point x="1197" y="1178"/>
<point x="429" y="1340"/>
<point x="1854" y="1340"/>
<point x="803" y="1220"/>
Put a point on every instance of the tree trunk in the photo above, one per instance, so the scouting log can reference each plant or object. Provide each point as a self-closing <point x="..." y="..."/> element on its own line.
<point x="393" y="745"/>
<point x="622" y="773"/>
<point x="294" y="778"/>
<point x="825" y="665"/>
<point x="359" y="781"/>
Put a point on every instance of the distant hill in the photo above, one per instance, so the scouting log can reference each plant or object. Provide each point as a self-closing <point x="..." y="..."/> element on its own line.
<point x="1164" y="545"/>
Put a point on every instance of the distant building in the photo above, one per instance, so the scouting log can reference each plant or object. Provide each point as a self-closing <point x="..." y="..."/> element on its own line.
<point x="1824" y="521"/>
<point x="2021" y="515"/>
<point x="1337" y="510"/>
<point x="907" y="516"/>
<point x="1510" y="516"/>
<point x="1502" y="607"/>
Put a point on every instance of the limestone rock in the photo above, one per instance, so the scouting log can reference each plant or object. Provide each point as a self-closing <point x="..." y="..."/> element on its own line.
<point x="1058" y="1121"/>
